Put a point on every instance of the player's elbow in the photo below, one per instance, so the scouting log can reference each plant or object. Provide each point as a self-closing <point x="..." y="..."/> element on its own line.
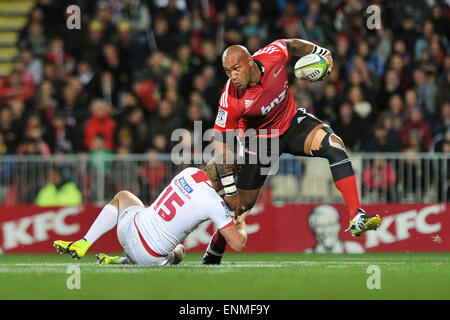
<point x="238" y="247"/>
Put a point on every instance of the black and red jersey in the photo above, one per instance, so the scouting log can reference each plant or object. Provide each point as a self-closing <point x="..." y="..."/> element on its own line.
<point x="267" y="105"/>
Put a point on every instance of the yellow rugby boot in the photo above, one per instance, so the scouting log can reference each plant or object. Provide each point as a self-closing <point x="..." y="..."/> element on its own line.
<point x="362" y="223"/>
<point x="77" y="249"/>
<point x="105" y="259"/>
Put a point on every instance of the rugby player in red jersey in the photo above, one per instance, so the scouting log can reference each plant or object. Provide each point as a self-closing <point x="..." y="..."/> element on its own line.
<point x="256" y="104"/>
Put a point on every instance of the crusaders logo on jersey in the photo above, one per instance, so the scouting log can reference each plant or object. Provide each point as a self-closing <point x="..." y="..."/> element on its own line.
<point x="221" y="118"/>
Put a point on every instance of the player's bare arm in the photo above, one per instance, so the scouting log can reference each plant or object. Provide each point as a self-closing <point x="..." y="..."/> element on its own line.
<point x="235" y="235"/>
<point x="225" y="164"/>
<point x="300" y="48"/>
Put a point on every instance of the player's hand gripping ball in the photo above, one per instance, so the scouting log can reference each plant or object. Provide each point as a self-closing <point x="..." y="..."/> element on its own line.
<point x="312" y="67"/>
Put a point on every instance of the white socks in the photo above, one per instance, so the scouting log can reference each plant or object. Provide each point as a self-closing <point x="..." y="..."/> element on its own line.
<point x="106" y="220"/>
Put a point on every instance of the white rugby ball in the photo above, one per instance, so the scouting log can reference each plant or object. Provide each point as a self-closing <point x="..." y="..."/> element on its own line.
<point x="311" y="67"/>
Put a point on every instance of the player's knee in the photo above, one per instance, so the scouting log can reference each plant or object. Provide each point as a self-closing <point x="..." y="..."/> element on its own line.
<point x="123" y="194"/>
<point x="326" y="144"/>
<point x="127" y="199"/>
<point x="334" y="149"/>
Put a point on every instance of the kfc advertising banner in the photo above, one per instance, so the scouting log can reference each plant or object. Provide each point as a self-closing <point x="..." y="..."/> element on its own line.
<point x="285" y="228"/>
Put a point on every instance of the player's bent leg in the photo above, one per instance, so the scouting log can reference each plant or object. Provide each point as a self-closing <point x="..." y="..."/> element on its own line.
<point x="217" y="245"/>
<point x="126" y="199"/>
<point x="323" y="142"/>
<point x="215" y="250"/>
<point x="106" y="221"/>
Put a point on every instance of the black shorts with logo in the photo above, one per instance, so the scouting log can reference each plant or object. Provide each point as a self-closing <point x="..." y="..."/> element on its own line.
<point x="255" y="164"/>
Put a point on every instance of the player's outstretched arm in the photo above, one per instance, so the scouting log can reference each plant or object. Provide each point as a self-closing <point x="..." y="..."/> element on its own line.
<point x="225" y="164"/>
<point x="300" y="48"/>
<point x="235" y="235"/>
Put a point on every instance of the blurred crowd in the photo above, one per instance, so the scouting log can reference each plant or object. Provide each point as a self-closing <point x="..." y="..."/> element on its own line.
<point x="138" y="69"/>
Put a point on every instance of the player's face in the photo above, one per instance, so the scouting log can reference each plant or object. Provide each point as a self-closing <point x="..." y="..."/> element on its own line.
<point x="237" y="68"/>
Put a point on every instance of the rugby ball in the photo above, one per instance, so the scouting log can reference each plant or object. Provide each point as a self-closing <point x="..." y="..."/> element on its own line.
<point x="312" y="67"/>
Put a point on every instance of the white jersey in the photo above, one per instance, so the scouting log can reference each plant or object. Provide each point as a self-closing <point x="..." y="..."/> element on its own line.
<point x="185" y="203"/>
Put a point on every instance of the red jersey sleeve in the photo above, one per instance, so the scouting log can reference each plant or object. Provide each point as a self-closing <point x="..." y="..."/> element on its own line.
<point x="228" y="117"/>
<point x="282" y="45"/>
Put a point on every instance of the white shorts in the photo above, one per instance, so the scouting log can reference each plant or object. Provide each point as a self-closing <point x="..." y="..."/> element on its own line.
<point x="131" y="242"/>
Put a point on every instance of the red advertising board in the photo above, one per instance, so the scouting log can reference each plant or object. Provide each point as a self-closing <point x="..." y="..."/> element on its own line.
<point x="271" y="228"/>
<point x="33" y="229"/>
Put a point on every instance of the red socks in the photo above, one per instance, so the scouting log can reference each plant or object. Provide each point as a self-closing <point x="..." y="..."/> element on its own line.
<point x="349" y="190"/>
<point x="218" y="243"/>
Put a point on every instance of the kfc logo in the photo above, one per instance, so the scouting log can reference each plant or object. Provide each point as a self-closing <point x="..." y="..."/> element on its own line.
<point x="398" y="227"/>
<point x="36" y="228"/>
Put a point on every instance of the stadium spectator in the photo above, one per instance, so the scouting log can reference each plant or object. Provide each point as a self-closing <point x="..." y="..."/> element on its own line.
<point x="34" y="130"/>
<point x="424" y="41"/>
<point x="124" y="139"/>
<point x="14" y="86"/>
<point x="361" y="105"/>
<point x="57" y="56"/>
<point x="59" y="191"/>
<point x="105" y="17"/>
<point x="155" y="69"/>
<point x="126" y="173"/>
<point x="148" y="94"/>
<point x="443" y="90"/>
<point x="100" y="122"/>
<point x="380" y="178"/>
<point x="163" y="38"/>
<point x="441" y="129"/>
<point x="425" y="92"/>
<point x="416" y="133"/>
<point x="390" y="87"/>
<point x="93" y="44"/>
<point x="327" y="105"/>
<point x="32" y="64"/>
<point x="11" y="134"/>
<point x="85" y="74"/>
<point x="59" y="136"/>
<point x="350" y="127"/>
<point x="165" y="120"/>
<point x="154" y="174"/>
<point x="33" y="38"/>
<point x="136" y="122"/>
<point x="145" y="55"/>
<point x="396" y="112"/>
<point x="380" y="142"/>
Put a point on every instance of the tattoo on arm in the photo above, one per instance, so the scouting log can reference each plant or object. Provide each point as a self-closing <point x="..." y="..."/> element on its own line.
<point x="225" y="160"/>
<point x="299" y="47"/>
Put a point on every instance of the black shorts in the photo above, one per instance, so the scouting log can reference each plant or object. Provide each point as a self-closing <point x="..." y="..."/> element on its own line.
<point x="255" y="164"/>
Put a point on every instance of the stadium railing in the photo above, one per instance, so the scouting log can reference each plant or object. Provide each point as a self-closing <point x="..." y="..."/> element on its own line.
<point x="381" y="177"/>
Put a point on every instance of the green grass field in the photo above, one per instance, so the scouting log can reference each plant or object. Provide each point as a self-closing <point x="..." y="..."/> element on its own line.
<point x="240" y="276"/>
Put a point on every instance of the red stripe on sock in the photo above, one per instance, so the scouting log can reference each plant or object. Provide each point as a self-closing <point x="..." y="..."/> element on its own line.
<point x="349" y="191"/>
<point x="218" y="242"/>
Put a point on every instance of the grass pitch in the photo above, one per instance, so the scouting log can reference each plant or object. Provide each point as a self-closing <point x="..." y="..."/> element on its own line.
<point x="240" y="276"/>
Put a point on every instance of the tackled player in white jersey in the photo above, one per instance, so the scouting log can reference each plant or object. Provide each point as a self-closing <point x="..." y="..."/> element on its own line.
<point x="153" y="235"/>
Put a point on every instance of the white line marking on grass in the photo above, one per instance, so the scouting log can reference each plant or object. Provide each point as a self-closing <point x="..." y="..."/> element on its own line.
<point x="94" y="268"/>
